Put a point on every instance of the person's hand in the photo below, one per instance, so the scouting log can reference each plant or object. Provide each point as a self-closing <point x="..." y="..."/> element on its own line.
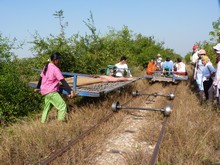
<point x="214" y="87"/>
<point x="37" y="90"/>
<point x="72" y="94"/>
<point x="195" y="77"/>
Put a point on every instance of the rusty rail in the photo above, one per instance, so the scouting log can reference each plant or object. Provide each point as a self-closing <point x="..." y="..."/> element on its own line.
<point x="159" y="141"/>
<point x="59" y="152"/>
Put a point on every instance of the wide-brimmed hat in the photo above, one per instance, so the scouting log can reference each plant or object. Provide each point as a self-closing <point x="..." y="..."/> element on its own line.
<point x="217" y="48"/>
<point x="202" y="52"/>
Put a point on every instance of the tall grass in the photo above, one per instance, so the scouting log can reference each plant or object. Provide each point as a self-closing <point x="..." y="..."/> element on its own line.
<point x="29" y="142"/>
<point x="192" y="135"/>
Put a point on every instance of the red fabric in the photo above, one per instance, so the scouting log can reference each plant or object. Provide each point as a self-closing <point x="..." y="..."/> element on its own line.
<point x="181" y="73"/>
<point x="195" y="47"/>
<point x="217" y="59"/>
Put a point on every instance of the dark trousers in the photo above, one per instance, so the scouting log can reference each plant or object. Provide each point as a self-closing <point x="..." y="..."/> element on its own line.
<point x="207" y="85"/>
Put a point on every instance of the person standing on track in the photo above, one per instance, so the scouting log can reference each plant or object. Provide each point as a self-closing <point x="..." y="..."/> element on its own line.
<point x="207" y="77"/>
<point x="198" y="73"/>
<point x="195" y="55"/>
<point x="216" y="82"/>
<point x="48" y="85"/>
<point x="194" y="58"/>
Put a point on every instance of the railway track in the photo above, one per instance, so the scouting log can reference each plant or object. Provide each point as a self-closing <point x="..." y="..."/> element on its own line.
<point x="151" y="100"/>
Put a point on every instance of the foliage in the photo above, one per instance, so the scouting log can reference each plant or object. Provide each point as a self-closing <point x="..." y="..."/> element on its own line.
<point x="80" y="54"/>
<point x="16" y="99"/>
<point x="5" y="46"/>
<point x="207" y="45"/>
<point x="89" y="53"/>
<point x="215" y="34"/>
<point x="187" y="57"/>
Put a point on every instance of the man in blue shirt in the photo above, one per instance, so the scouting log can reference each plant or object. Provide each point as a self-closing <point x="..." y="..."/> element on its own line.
<point x="167" y="66"/>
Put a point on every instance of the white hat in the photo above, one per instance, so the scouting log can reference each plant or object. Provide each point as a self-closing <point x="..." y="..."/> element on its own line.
<point x="217" y="48"/>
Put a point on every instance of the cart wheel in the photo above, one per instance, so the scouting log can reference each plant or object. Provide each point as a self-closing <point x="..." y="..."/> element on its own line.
<point x="115" y="106"/>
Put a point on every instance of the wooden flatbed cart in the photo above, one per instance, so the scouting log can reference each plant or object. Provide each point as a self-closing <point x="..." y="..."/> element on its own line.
<point x="158" y="76"/>
<point x="88" y="85"/>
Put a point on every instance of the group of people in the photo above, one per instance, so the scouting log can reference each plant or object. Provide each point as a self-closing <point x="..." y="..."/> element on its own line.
<point x="166" y="67"/>
<point x="207" y="77"/>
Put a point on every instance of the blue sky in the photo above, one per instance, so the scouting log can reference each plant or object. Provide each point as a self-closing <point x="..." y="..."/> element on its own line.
<point x="177" y="23"/>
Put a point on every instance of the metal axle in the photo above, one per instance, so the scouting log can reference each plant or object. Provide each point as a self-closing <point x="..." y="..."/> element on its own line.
<point x="136" y="93"/>
<point x="116" y="106"/>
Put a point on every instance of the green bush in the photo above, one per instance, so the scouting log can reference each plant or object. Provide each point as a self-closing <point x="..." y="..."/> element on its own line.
<point x="16" y="98"/>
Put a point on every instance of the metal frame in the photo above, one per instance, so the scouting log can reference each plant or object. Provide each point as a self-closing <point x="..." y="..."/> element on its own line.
<point x="93" y="90"/>
<point x="166" y="110"/>
<point x="172" y="78"/>
<point x="170" y="96"/>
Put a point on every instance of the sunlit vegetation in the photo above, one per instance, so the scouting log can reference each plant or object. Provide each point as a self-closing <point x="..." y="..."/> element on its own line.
<point x="192" y="136"/>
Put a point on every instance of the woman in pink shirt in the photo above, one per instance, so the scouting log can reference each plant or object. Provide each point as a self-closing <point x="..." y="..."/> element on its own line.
<point x="48" y="86"/>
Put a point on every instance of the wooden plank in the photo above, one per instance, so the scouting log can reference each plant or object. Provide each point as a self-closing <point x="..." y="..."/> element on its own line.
<point x="80" y="81"/>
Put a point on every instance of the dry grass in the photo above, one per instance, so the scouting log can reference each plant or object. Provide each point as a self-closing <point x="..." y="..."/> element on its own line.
<point x="29" y="142"/>
<point x="192" y="135"/>
<point x="193" y="132"/>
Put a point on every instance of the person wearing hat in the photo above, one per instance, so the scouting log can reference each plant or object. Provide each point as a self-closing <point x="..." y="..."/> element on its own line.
<point x="159" y="62"/>
<point x="198" y="73"/>
<point x="48" y="86"/>
<point x="216" y="82"/>
<point x="194" y="56"/>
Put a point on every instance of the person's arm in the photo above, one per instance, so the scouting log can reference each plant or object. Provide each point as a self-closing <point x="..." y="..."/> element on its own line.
<point x="172" y="67"/>
<point x="195" y="72"/>
<point x="39" y="82"/>
<point x="128" y="71"/>
<point x="218" y="73"/>
<point x="66" y="85"/>
<point x="67" y="88"/>
<point x="38" y="85"/>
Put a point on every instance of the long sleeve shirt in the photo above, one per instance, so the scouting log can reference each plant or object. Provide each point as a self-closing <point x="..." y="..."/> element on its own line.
<point x="217" y="76"/>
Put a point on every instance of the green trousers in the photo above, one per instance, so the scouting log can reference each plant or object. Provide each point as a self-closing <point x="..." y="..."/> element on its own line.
<point x="57" y="101"/>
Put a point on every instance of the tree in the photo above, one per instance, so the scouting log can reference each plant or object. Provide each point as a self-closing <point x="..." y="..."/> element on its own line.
<point x="16" y="99"/>
<point x="215" y="34"/>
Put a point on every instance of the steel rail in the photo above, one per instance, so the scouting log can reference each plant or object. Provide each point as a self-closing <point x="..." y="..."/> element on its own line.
<point x="62" y="150"/>
<point x="59" y="152"/>
<point x="160" y="138"/>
